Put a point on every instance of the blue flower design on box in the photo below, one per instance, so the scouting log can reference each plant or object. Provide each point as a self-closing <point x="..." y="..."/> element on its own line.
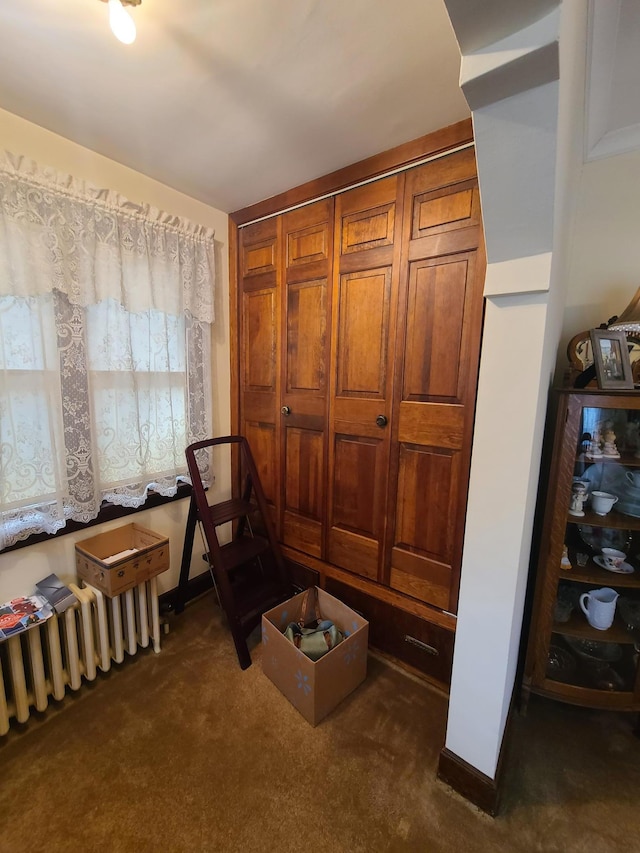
<point x="284" y="619"/>
<point x="352" y="653"/>
<point x="303" y="682"/>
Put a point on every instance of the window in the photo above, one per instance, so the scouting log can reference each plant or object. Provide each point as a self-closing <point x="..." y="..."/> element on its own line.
<point x="105" y="316"/>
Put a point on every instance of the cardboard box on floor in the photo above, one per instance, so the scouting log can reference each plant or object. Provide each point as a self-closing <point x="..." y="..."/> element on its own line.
<point x="315" y="688"/>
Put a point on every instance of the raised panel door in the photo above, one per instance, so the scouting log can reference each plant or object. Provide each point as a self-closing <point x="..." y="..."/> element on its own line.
<point x="259" y="284"/>
<point x="259" y="323"/>
<point x="440" y="316"/>
<point x="364" y="299"/>
<point x="307" y="242"/>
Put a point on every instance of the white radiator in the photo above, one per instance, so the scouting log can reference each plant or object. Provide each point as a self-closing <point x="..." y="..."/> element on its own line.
<point x="88" y="636"/>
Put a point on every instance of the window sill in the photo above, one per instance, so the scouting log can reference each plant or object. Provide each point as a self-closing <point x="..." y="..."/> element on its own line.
<point x="109" y="512"/>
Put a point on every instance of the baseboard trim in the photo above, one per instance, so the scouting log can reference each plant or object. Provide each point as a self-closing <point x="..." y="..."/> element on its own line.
<point x="195" y="587"/>
<point x="474" y="786"/>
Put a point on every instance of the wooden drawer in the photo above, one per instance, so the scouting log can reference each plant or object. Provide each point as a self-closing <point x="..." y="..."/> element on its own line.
<point x="408" y="638"/>
<point x="302" y="577"/>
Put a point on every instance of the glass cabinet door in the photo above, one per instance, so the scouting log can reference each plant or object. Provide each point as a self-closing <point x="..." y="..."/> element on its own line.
<point x="594" y="638"/>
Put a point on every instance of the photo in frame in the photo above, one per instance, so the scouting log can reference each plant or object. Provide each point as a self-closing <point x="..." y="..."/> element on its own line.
<point x="611" y="359"/>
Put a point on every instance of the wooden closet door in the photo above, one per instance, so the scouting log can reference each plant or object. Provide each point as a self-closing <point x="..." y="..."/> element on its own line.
<point x="307" y="258"/>
<point x="440" y="317"/>
<point x="259" y="249"/>
<point x="364" y="319"/>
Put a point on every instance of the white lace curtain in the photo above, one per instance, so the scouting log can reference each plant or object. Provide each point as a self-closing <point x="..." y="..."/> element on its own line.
<point x="105" y="316"/>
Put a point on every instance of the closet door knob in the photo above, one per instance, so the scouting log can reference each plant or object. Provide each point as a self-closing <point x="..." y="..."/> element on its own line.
<point x="381" y="421"/>
<point x="286" y="411"/>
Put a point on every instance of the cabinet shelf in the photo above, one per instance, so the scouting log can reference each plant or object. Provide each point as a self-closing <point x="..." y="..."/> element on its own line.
<point x="588" y="697"/>
<point x="593" y="574"/>
<point x="577" y="626"/>
<point x="613" y="519"/>
<point x="629" y="460"/>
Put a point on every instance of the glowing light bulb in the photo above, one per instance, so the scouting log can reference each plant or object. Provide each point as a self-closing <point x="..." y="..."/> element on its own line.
<point x="121" y="22"/>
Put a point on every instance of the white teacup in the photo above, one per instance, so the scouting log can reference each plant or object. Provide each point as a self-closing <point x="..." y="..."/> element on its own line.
<point x="601" y="502"/>
<point x="600" y="607"/>
<point x="613" y="558"/>
<point x="634" y="478"/>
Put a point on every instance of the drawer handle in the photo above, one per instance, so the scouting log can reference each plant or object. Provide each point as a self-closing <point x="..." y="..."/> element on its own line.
<point x="425" y="648"/>
<point x="121" y="573"/>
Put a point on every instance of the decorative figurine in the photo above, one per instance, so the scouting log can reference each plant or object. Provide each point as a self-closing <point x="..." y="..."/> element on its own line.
<point x="594" y="451"/>
<point x="610" y="450"/>
<point x="578" y="498"/>
<point x="565" y="562"/>
<point x="585" y="442"/>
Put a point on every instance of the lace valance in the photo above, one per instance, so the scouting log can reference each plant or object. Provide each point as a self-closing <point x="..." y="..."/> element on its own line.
<point x="86" y="242"/>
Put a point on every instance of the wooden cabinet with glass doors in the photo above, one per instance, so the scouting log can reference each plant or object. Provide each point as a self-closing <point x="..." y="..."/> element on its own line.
<point x="595" y="465"/>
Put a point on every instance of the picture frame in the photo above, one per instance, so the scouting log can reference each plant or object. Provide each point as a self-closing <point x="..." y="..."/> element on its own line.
<point x="611" y="359"/>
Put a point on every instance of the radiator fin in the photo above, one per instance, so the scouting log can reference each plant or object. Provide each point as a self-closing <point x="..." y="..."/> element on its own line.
<point x="64" y="650"/>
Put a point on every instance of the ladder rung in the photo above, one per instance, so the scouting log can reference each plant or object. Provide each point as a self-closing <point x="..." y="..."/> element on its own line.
<point x="226" y="511"/>
<point x="240" y="551"/>
<point x="258" y="600"/>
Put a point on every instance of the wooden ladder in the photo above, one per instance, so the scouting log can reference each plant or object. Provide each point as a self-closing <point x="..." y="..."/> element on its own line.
<point x="249" y="571"/>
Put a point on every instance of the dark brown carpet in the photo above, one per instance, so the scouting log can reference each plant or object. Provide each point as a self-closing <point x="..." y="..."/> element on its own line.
<point x="182" y="751"/>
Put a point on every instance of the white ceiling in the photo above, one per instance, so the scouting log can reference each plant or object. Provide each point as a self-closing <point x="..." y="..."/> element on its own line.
<point x="232" y="101"/>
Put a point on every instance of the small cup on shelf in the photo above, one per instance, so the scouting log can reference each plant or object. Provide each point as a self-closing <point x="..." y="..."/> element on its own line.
<point x="602" y="502"/>
<point x="562" y="610"/>
<point x="565" y="602"/>
<point x="613" y="558"/>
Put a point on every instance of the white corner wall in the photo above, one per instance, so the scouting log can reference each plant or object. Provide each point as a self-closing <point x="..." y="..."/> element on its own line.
<point x="20" y="569"/>
<point x="524" y="173"/>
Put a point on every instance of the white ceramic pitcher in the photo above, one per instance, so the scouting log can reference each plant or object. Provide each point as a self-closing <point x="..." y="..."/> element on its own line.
<point x="599" y="606"/>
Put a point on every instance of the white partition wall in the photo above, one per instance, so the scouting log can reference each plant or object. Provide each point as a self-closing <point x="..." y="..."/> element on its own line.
<point x="513" y="88"/>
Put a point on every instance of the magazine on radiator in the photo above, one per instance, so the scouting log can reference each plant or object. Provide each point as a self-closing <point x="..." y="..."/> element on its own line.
<point x="22" y="613"/>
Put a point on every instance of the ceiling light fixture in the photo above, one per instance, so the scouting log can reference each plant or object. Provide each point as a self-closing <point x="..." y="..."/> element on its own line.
<point x="121" y="22"/>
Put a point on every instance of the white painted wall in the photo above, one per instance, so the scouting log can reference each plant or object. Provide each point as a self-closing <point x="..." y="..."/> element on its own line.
<point x="604" y="267"/>
<point x="502" y="495"/>
<point x="20" y="569"/>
